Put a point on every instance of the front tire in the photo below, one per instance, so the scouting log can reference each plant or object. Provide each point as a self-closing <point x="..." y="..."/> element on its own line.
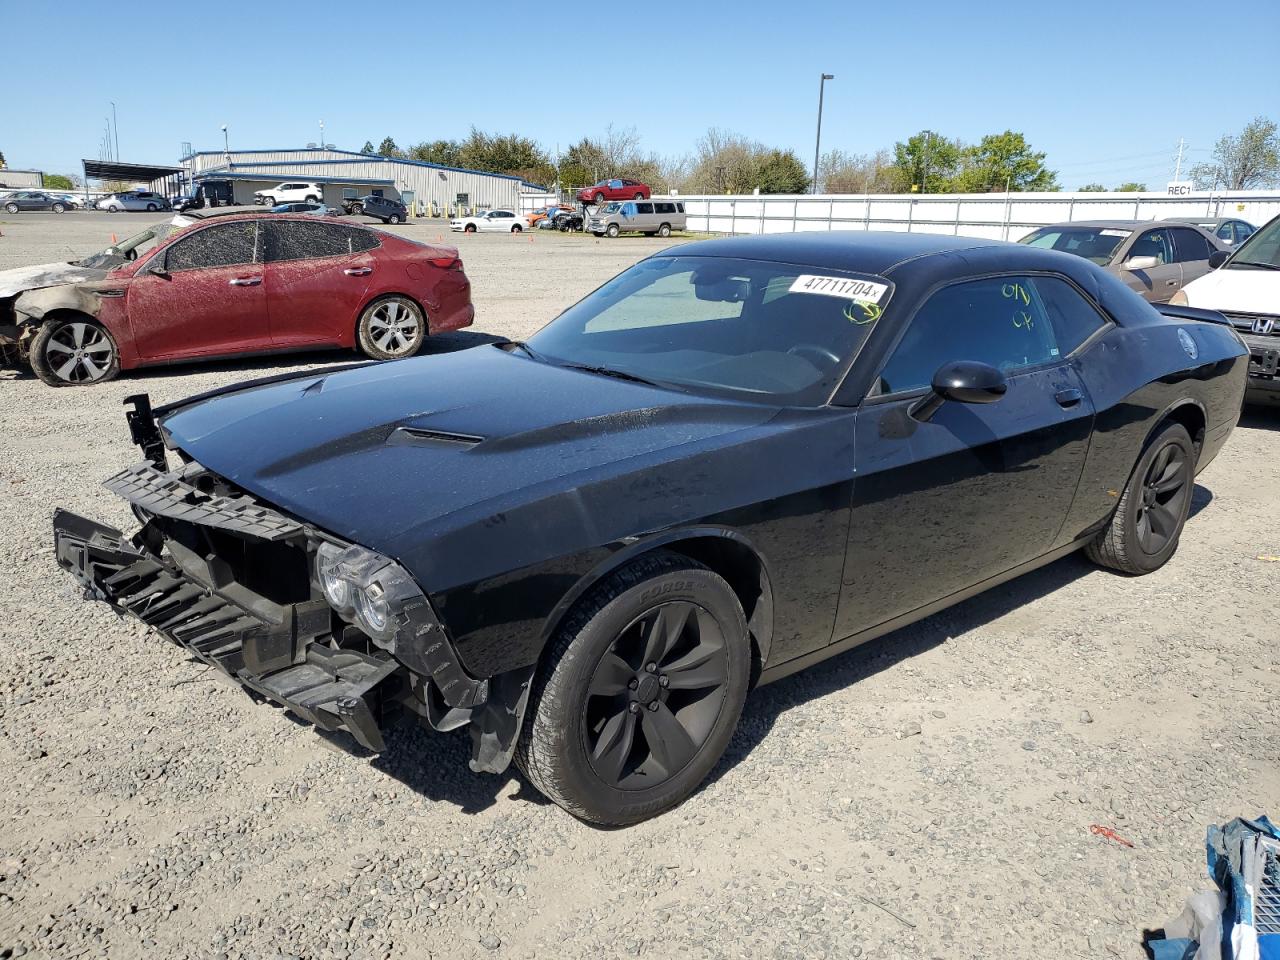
<point x="74" y="351"/>
<point x="151" y="208"/>
<point x="59" y="208"/>
<point x="469" y="228"/>
<point x="393" y="219"/>
<point x="1144" y="531"/>
<point x="612" y="230"/>
<point x="516" y="228"/>
<point x="599" y="199"/>
<point x="391" y="328"/>
<point x="640" y="691"/>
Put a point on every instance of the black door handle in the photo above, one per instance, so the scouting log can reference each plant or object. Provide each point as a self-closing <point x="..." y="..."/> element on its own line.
<point x="1069" y="397"/>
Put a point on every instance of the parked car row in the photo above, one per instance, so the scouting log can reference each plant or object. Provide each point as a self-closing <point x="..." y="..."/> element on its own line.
<point x="133" y="200"/>
<point x="23" y="201"/>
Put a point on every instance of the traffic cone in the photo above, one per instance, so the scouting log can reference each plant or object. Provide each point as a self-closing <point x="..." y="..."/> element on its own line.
<point x="113" y="239"/>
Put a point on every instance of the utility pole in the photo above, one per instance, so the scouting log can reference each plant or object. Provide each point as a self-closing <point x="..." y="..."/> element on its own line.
<point x="1177" y="169"/>
<point x="817" y="144"/>
<point x="321" y="134"/>
<point x="116" y="127"/>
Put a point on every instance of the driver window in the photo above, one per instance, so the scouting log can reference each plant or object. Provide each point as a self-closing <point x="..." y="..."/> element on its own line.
<point x="1000" y="320"/>
<point x="219" y="246"/>
<point x="1153" y="243"/>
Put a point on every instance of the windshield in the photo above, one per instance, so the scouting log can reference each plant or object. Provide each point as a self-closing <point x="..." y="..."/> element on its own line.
<point x="769" y="330"/>
<point x="1093" y="243"/>
<point x="129" y="249"/>
<point x="1262" y="249"/>
<point x="613" y="207"/>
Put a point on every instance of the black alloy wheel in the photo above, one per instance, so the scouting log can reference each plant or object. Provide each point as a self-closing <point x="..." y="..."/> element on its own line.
<point x="655" y="696"/>
<point x="1144" y="530"/>
<point x="1164" y="494"/>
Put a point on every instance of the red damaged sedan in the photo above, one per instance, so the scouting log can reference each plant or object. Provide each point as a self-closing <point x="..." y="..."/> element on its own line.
<point x="226" y="286"/>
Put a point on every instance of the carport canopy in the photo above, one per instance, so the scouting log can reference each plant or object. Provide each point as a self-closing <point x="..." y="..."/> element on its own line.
<point x="130" y="172"/>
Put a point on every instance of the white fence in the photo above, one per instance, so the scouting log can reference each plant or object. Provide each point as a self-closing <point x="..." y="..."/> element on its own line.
<point x="992" y="216"/>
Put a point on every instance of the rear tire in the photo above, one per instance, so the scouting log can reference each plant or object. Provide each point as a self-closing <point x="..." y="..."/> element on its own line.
<point x="664" y="230"/>
<point x="312" y="198"/>
<point x="11" y="207"/>
<point x="516" y="228"/>
<point x="602" y="729"/>
<point x="1144" y="531"/>
<point x="74" y="351"/>
<point x="391" y="328"/>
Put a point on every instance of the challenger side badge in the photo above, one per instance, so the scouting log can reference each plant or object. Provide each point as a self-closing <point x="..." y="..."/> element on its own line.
<point x="1188" y="344"/>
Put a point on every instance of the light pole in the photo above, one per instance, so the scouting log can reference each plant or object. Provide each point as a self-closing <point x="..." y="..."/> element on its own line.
<point x="116" y="127"/>
<point x="817" y="145"/>
<point x="226" y="147"/>
<point x="321" y="134"/>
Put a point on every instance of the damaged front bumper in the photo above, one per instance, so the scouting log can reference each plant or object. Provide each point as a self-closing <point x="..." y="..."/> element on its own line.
<point x="230" y="581"/>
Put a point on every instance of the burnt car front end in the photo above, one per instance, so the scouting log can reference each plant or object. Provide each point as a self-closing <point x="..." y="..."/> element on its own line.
<point x="334" y="632"/>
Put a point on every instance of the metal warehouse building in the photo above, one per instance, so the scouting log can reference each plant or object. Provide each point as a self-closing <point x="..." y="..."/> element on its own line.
<point x="344" y="173"/>
<point x="20" y="178"/>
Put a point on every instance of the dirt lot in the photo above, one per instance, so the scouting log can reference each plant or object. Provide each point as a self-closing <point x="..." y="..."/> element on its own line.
<point x="929" y="795"/>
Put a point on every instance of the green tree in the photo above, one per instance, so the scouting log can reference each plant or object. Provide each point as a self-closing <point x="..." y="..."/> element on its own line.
<point x="1002" y="161"/>
<point x="780" y="171"/>
<point x="1092" y="188"/>
<point x="926" y="162"/>
<point x="444" y="152"/>
<point x="1132" y="187"/>
<point x="506" y="153"/>
<point x="388" y="148"/>
<point x="1245" y="162"/>
<point x="56" y="181"/>
<point x="368" y="147"/>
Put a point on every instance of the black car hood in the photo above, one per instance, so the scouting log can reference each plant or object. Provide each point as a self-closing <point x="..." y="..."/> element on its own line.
<point x="386" y="455"/>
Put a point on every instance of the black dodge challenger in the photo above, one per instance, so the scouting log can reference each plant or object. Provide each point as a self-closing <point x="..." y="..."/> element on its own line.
<point x="735" y="459"/>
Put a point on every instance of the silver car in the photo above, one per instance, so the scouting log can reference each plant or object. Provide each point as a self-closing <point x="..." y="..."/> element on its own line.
<point x="133" y="200"/>
<point x="1154" y="259"/>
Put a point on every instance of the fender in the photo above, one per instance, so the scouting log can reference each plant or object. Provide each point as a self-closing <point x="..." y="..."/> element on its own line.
<point x="760" y="622"/>
<point x="33" y="305"/>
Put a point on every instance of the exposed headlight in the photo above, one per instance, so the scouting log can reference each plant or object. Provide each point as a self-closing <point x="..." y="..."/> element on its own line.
<point x="337" y="591"/>
<point x="1179" y="299"/>
<point x="366" y="586"/>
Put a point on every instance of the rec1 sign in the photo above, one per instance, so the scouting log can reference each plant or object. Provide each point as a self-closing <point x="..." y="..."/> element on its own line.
<point x="1181" y="188"/>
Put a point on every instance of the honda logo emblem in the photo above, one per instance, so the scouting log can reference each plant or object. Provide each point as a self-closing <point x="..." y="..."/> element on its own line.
<point x="1264" y="324"/>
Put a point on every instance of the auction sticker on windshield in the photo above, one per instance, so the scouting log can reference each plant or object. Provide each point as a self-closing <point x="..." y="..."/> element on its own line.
<point x="864" y="291"/>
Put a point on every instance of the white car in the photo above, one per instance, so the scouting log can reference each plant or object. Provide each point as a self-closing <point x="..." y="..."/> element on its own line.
<point x="294" y="190"/>
<point x="132" y="200"/>
<point x="500" y="221"/>
<point x="1246" y="289"/>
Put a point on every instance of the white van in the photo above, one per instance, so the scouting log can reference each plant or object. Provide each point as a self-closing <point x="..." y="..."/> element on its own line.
<point x="1246" y="289"/>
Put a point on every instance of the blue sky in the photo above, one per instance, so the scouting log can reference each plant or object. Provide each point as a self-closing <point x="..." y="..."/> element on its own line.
<point x="1105" y="88"/>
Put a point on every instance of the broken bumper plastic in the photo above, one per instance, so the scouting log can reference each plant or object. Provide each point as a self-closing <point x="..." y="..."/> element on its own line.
<point x="335" y="689"/>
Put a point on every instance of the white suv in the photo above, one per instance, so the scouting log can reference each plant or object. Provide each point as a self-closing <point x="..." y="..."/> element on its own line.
<point x="289" y="193"/>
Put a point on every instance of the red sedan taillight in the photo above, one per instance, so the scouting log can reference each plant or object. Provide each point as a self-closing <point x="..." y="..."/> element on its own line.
<point x="447" y="263"/>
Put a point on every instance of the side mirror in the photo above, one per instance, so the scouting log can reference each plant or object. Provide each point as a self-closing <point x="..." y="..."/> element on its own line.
<point x="1140" y="263"/>
<point x="1218" y="258"/>
<point x="961" y="381"/>
<point x="159" y="271"/>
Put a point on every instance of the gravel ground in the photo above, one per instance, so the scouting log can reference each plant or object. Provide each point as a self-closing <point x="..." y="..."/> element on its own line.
<point x="929" y="795"/>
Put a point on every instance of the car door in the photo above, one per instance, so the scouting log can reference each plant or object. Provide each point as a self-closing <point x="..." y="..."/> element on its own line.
<point x="1157" y="283"/>
<point x="317" y="275"/>
<point x="1191" y="250"/>
<point x="202" y="295"/>
<point x="940" y="506"/>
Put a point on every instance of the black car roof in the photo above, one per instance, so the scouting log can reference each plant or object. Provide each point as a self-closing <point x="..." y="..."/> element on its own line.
<point x="856" y="250"/>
